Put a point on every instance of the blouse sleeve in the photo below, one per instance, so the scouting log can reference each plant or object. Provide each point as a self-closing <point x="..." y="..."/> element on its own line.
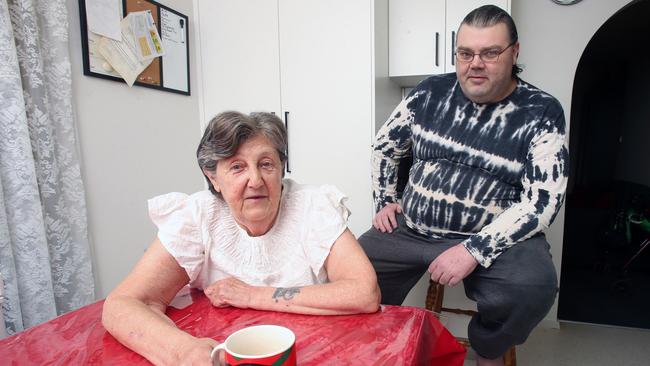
<point x="177" y="218"/>
<point x="328" y="219"/>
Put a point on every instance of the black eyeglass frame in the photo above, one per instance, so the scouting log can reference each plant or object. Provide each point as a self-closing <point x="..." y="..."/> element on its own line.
<point x="482" y="53"/>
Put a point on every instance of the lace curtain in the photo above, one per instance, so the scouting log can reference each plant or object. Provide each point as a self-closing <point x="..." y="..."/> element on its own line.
<point x="44" y="251"/>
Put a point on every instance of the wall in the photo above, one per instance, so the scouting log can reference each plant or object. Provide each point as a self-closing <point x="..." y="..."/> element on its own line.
<point x="135" y="143"/>
<point x="552" y="39"/>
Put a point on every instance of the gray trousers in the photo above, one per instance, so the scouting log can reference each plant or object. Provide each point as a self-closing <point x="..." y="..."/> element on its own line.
<point x="512" y="296"/>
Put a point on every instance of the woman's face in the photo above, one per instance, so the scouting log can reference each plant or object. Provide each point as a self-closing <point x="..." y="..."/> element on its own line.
<point x="251" y="184"/>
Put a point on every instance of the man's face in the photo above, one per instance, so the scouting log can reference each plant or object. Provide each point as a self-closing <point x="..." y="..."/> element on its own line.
<point x="486" y="82"/>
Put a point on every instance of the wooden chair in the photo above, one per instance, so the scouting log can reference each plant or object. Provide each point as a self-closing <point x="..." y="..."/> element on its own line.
<point x="435" y="295"/>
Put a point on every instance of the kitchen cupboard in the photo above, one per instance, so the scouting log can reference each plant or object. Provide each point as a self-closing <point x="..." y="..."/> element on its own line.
<point x="315" y="63"/>
<point x="422" y="36"/>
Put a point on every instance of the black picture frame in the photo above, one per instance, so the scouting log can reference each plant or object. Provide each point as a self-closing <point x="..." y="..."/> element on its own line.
<point x="89" y="70"/>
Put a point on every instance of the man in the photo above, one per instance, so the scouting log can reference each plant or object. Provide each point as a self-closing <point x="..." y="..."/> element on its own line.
<point x="489" y="172"/>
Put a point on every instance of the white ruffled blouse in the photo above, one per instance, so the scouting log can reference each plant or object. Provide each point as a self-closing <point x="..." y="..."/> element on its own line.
<point x="200" y="232"/>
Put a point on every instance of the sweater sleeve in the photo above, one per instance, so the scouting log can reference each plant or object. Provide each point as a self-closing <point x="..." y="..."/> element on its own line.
<point x="544" y="182"/>
<point x="392" y="145"/>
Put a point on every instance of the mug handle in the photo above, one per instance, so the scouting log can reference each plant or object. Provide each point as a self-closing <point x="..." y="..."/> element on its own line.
<point x="214" y="355"/>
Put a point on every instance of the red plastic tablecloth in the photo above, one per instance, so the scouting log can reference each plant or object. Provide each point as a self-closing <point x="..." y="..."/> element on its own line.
<point x="393" y="336"/>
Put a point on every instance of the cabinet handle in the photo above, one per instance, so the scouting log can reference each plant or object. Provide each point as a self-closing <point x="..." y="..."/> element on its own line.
<point x="437" y="41"/>
<point x="286" y="126"/>
<point x="453" y="48"/>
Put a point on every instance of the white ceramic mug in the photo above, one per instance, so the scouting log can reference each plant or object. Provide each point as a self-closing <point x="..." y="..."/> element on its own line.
<point x="258" y="345"/>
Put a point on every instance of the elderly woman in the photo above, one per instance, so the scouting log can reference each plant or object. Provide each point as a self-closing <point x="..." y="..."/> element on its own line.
<point x="253" y="240"/>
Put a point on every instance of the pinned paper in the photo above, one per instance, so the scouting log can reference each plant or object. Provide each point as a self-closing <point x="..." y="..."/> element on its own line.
<point x="122" y="55"/>
<point x="103" y="17"/>
<point x="145" y="35"/>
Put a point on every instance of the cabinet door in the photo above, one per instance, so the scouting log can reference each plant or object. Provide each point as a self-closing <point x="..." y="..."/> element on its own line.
<point x="456" y="12"/>
<point x="326" y="71"/>
<point x="416" y="37"/>
<point x="239" y="56"/>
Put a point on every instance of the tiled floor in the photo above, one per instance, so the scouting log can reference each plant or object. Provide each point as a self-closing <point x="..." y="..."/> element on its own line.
<point x="583" y="345"/>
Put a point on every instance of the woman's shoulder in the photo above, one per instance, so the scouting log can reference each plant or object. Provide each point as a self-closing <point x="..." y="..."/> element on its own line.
<point x="197" y="203"/>
<point x="309" y="192"/>
<point x="318" y="215"/>
<point x="314" y="200"/>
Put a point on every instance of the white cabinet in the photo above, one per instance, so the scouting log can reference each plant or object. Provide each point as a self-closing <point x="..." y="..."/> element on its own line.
<point x="422" y="35"/>
<point x="312" y="62"/>
<point x="416" y="37"/>
<point x="238" y="58"/>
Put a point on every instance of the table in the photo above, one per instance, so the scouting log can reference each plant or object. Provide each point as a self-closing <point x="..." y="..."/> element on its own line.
<point x="395" y="335"/>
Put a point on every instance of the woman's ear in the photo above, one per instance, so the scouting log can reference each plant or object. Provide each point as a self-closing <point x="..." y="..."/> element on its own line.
<point x="212" y="178"/>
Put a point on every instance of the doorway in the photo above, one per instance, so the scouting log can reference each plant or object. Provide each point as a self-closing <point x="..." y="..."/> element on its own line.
<point x="606" y="253"/>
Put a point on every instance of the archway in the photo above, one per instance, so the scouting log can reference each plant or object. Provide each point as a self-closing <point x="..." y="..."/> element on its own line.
<point x="606" y="253"/>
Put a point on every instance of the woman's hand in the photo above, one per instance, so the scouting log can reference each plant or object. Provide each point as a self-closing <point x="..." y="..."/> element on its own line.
<point x="197" y="352"/>
<point x="230" y="292"/>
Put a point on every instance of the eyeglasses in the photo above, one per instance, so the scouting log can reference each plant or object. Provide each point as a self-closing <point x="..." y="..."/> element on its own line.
<point x="489" y="56"/>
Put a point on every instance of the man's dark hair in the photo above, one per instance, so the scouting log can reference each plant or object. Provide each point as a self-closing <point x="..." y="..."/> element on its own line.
<point x="489" y="15"/>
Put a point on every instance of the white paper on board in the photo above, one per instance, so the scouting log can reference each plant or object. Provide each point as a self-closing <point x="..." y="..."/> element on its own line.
<point x="173" y="32"/>
<point x="103" y="17"/>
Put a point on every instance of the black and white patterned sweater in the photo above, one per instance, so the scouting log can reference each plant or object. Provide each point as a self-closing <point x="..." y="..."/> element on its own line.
<point x="491" y="175"/>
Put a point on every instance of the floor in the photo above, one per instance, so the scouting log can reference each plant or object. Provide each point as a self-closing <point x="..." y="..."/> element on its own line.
<point x="574" y="344"/>
<point x="583" y="345"/>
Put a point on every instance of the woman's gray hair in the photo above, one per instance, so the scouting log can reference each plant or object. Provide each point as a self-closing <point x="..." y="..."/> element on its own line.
<point x="228" y="130"/>
<point x="490" y="15"/>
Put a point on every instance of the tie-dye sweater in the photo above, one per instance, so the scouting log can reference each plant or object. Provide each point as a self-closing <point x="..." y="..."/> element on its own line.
<point x="491" y="175"/>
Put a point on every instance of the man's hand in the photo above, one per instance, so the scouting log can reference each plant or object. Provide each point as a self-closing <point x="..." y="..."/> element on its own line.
<point x="452" y="266"/>
<point x="229" y="292"/>
<point x="386" y="219"/>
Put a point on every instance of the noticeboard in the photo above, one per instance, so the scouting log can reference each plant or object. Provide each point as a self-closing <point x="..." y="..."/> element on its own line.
<point x="169" y="72"/>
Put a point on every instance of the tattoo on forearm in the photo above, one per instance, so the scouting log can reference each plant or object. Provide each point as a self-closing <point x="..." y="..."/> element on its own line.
<point x="285" y="293"/>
